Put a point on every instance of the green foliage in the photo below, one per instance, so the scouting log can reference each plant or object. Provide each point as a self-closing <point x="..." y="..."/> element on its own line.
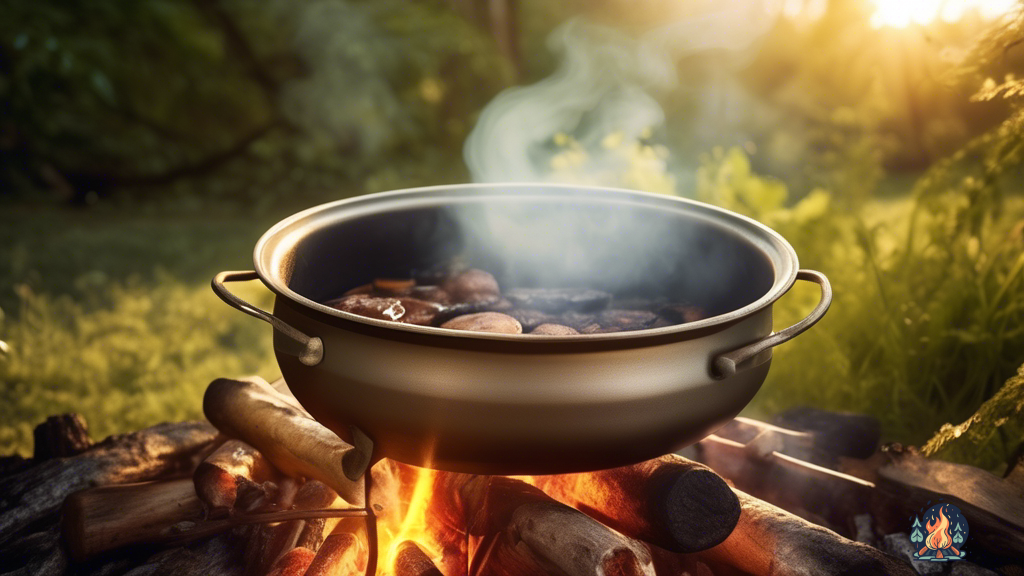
<point x="927" y="321"/>
<point x="145" y="357"/>
<point x="996" y="412"/>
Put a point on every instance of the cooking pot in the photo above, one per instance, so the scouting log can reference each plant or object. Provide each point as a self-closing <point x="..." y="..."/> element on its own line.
<point x="526" y="404"/>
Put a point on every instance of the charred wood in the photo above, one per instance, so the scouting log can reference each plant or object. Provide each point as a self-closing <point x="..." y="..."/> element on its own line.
<point x="60" y="437"/>
<point x="39" y="491"/>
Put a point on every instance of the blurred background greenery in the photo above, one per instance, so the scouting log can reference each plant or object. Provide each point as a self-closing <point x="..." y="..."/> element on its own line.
<point x="146" y="144"/>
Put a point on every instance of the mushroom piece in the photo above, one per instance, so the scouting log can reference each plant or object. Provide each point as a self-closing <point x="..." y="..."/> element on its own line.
<point x="485" y="322"/>
<point x="554" y="330"/>
<point x="472" y="286"/>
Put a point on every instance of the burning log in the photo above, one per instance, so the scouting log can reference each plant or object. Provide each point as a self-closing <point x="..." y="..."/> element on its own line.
<point x="296" y="444"/>
<point x="519" y="529"/>
<point x="235" y="475"/>
<point x="60" y="437"/>
<point x="769" y="541"/>
<point x="162" y="450"/>
<point x="294" y="563"/>
<point x="94" y="521"/>
<point x="672" y="502"/>
<point x="411" y="560"/>
<point x="341" y="555"/>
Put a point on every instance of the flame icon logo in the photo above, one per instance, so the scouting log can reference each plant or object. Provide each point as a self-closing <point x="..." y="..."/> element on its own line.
<point x="944" y="533"/>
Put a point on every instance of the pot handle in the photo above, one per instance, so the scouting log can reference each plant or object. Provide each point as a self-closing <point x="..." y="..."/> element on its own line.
<point x="726" y="364"/>
<point x="310" y="350"/>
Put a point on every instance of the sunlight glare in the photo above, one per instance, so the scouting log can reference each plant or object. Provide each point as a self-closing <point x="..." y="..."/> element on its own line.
<point x="902" y="13"/>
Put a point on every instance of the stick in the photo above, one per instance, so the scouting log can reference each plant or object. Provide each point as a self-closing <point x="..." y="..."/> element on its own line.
<point x="162" y="450"/>
<point x="252" y="411"/>
<point x="671" y="502"/>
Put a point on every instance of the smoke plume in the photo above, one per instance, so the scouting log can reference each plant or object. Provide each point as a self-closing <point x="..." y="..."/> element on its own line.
<point x="596" y="119"/>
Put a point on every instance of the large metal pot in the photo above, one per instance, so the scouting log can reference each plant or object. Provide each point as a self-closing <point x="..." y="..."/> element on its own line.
<point x="522" y="404"/>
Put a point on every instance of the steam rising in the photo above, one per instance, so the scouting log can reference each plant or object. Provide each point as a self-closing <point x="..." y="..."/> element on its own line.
<point x="594" y="119"/>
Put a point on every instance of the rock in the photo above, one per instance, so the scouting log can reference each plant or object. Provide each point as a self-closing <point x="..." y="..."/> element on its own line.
<point x="964" y="568"/>
<point x="485" y="322"/>
<point x="899" y="545"/>
<point x="553" y="330"/>
<point x="472" y="286"/>
<point x="836" y="433"/>
<point x="577" y="320"/>
<point x="864" y="529"/>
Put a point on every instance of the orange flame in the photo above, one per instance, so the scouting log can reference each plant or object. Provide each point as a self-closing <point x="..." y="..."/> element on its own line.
<point x="938" y="533"/>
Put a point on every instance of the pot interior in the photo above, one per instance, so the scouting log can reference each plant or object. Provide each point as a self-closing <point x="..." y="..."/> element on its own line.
<point x="632" y="245"/>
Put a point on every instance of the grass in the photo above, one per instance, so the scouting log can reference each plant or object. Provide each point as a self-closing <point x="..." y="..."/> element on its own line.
<point x="109" y="313"/>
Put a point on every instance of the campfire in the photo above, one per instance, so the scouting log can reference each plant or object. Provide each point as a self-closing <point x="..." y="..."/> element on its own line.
<point x="267" y="490"/>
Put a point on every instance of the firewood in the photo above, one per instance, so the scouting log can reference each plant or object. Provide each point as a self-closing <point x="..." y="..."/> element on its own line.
<point x="217" y="556"/>
<point x="341" y="555"/>
<point x="60" y="437"/>
<point x="769" y="541"/>
<point x="671" y="502"/>
<point x="269" y="542"/>
<point x="162" y="450"/>
<point x="97" y="520"/>
<point x="296" y="444"/>
<point x="234" y="474"/>
<point x="518" y="525"/>
<point x="830" y="497"/>
<point x="995" y="507"/>
<point x="294" y="563"/>
<point x="411" y="560"/>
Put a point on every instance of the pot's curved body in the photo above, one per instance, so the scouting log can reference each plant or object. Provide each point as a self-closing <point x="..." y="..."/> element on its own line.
<point x="522" y="404"/>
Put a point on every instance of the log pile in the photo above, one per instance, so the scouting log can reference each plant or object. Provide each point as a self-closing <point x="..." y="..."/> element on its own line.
<point x="266" y="490"/>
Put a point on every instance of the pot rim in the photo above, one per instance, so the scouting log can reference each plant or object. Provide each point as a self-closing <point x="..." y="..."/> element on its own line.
<point x="751" y="231"/>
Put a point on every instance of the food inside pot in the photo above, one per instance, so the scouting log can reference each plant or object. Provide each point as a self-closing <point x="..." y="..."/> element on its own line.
<point x="471" y="299"/>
